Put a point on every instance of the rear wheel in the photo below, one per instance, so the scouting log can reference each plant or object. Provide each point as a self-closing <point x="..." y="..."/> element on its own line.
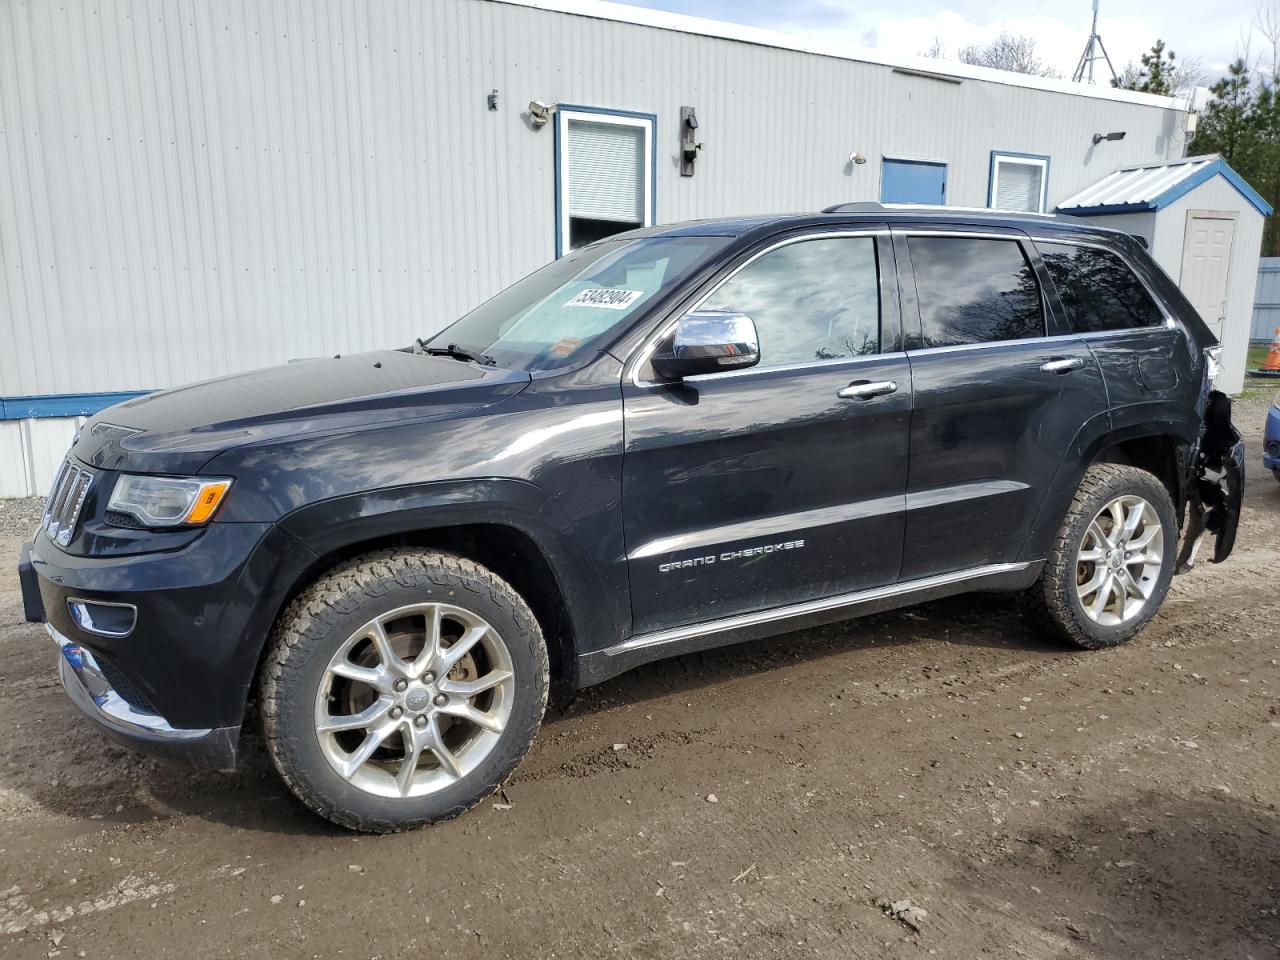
<point x="403" y="688"/>
<point x="1110" y="567"/>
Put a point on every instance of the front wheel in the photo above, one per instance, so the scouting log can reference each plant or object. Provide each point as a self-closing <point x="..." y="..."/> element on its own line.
<point x="1110" y="567"/>
<point x="402" y="688"/>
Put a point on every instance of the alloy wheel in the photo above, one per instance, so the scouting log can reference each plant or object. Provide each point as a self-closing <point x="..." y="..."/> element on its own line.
<point x="415" y="700"/>
<point x="1119" y="561"/>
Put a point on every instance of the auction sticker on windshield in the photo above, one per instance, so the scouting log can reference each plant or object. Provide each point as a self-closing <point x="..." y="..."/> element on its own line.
<point x="604" y="297"/>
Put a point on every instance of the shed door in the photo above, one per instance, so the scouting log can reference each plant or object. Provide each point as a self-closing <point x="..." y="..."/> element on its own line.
<point x="913" y="181"/>
<point x="1206" y="265"/>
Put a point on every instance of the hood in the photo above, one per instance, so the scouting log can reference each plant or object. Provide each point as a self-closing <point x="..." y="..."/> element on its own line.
<point x="179" y="430"/>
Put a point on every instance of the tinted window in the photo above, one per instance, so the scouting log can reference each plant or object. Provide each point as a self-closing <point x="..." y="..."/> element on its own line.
<point x="814" y="300"/>
<point x="1098" y="289"/>
<point x="974" y="291"/>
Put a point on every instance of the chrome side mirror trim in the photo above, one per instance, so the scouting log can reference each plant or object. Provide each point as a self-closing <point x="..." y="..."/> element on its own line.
<point x="708" y="341"/>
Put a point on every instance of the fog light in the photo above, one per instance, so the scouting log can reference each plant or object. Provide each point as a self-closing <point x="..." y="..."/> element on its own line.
<point x="102" y="618"/>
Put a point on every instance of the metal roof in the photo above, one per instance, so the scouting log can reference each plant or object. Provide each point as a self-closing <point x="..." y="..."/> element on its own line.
<point x="1153" y="186"/>
<point x="918" y="65"/>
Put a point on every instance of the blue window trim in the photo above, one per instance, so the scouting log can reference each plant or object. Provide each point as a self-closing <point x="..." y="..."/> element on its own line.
<point x="1013" y="155"/>
<point x="62" y="404"/>
<point x="1177" y="191"/>
<point x="605" y="112"/>
<point x="946" y="178"/>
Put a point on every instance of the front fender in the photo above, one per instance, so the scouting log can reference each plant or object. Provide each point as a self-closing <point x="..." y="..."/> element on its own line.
<point x="594" y="592"/>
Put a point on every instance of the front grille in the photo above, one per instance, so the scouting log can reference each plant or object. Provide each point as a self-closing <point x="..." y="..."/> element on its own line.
<point x="124" y="686"/>
<point x="62" y="509"/>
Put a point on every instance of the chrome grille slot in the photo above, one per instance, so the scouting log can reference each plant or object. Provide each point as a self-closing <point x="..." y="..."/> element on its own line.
<point x="62" y="509"/>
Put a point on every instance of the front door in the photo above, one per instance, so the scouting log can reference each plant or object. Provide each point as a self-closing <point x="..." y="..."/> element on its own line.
<point x="753" y="489"/>
<point x="997" y="399"/>
<point x="1206" y="265"/>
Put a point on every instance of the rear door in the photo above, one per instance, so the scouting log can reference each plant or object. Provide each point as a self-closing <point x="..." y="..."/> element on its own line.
<point x="752" y="489"/>
<point x="1144" y="357"/>
<point x="1000" y="391"/>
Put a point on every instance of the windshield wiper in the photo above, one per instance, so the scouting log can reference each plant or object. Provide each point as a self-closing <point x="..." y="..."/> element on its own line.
<point x="457" y="352"/>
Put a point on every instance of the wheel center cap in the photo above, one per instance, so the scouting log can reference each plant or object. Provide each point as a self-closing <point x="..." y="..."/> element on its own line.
<point x="417" y="699"/>
<point x="1115" y="559"/>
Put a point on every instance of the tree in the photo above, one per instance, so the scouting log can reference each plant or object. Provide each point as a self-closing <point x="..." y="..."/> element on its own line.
<point x="1228" y="123"/>
<point x="1016" y="54"/>
<point x="1160" y="73"/>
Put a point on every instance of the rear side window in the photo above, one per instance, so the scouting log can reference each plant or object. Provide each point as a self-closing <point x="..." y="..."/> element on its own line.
<point x="1098" y="290"/>
<point x="974" y="290"/>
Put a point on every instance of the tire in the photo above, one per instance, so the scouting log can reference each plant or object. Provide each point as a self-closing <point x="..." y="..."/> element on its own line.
<point x="1060" y="603"/>
<point x="376" y="660"/>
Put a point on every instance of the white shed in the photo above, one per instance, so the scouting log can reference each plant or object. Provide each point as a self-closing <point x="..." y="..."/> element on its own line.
<point x="1203" y="224"/>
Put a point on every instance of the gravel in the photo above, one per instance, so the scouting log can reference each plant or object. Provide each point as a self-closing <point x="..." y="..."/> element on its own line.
<point x="20" y="517"/>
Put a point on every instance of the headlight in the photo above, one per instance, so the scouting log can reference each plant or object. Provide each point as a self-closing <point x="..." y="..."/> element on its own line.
<point x="167" y="501"/>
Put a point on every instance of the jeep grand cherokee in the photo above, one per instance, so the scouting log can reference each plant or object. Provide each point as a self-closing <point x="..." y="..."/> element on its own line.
<point x="669" y="440"/>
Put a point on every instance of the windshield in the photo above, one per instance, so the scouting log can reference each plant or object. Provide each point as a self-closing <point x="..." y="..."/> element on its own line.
<point x="573" y="306"/>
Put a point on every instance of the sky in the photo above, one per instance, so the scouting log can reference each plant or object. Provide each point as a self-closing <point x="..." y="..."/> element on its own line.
<point x="1210" y="30"/>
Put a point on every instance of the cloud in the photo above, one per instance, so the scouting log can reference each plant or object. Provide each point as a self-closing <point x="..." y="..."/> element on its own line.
<point x="1210" y="32"/>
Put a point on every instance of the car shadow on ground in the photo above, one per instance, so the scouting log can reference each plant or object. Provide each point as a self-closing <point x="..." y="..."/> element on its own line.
<point x="253" y="798"/>
<point x="975" y="620"/>
<point x="1151" y="875"/>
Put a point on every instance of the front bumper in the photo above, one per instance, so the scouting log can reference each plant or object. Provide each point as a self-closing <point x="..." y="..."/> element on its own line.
<point x="90" y="689"/>
<point x="176" y="681"/>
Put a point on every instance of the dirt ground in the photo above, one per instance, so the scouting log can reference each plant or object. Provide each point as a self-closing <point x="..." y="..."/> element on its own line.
<point x="767" y="801"/>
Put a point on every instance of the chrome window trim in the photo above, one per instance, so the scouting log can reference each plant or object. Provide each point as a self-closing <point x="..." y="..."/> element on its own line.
<point x="641" y="357"/>
<point x="787" y="367"/>
<point x="1169" y="321"/>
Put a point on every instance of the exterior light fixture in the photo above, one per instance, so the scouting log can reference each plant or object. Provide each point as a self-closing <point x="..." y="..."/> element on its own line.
<point x="540" y="113"/>
<point x="1116" y="135"/>
<point x="856" y="157"/>
<point x="689" y="145"/>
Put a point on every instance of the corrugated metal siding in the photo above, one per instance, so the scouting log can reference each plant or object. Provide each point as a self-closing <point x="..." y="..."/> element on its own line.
<point x="190" y="189"/>
<point x="1266" y="301"/>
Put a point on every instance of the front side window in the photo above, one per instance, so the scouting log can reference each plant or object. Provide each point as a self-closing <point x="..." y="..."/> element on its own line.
<point x="1097" y="289"/>
<point x="974" y="290"/>
<point x="560" y="314"/>
<point x="1018" y="183"/>
<point x="812" y="300"/>
<point x="605" y="175"/>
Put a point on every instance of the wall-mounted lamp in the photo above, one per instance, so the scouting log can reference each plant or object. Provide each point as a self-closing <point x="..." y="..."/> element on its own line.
<point x="689" y="145"/>
<point x="856" y="157"/>
<point x="540" y="113"/>
<point x="1099" y="137"/>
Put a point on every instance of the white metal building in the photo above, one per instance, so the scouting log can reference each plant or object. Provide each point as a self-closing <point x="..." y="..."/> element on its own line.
<point x="191" y="189"/>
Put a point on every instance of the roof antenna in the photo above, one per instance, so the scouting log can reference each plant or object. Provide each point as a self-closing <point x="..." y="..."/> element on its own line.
<point x="1093" y="52"/>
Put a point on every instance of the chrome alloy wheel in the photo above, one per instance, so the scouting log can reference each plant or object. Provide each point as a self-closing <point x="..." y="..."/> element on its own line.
<point x="1119" y="561"/>
<point x="414" y="700"/>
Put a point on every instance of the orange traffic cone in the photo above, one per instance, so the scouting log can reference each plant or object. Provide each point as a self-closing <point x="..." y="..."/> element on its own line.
<point x="1271" y="365"/>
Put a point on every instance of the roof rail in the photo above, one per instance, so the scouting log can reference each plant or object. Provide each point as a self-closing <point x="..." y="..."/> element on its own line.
<point x="858" y="206"/>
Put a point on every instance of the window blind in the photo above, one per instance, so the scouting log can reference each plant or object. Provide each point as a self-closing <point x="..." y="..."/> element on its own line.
<point x="1018" y="186"/>
<point x="605" y="177"/>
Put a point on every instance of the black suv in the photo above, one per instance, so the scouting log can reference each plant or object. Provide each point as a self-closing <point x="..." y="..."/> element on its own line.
<point x="672" y="439"/>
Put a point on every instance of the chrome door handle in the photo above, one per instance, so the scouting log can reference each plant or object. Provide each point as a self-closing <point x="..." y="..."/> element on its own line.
<point x="867" y="391"/>
<point x="1065" y="365"/>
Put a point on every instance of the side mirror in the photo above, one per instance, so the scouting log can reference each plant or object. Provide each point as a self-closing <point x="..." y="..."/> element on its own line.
<point x="708" y="341"/>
